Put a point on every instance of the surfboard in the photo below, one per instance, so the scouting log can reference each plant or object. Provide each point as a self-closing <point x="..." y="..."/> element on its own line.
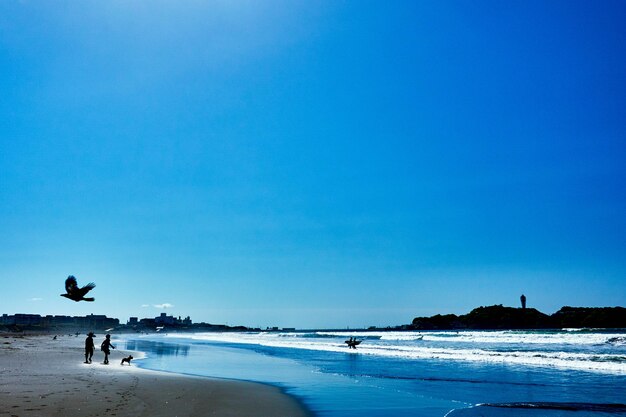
<point x="353" y="343"/>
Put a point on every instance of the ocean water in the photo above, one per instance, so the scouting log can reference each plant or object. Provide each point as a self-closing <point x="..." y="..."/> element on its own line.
<point x="570" y="372"/>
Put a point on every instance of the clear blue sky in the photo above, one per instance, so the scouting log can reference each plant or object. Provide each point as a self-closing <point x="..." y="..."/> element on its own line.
<point x="312" y="164"/>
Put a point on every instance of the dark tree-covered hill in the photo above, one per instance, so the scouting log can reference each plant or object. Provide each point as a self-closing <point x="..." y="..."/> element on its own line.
<point x="500" y="317"/>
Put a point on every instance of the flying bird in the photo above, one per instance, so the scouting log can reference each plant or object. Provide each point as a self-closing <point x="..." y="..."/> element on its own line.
<point x="75" y="293"/>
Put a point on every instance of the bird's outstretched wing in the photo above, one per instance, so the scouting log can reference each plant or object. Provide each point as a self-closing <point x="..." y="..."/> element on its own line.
<point x="86" y="289"/>
<point x="70" y="284"/>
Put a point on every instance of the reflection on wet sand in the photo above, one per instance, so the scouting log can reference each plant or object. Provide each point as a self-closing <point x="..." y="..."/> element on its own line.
<point x="158" y="348"/>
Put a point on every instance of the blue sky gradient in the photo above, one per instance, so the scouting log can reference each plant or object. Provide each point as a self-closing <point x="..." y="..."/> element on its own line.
<point x="312" y="164"/>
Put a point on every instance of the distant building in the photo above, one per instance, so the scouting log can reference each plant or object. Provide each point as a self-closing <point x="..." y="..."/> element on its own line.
<point x="147" y="322"/>
<point x="49" y="321"/>
<point x="165" y="320"/>
<point x="66" y="321"/>
<point x="26" y="320"/>
<point x="95" y="321"/>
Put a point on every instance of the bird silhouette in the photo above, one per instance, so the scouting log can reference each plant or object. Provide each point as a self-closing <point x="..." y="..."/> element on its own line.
<point x="75" y="293"/>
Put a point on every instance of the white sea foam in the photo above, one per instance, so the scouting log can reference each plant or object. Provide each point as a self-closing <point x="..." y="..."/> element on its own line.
<point x="509" y="348"/>
<point x="498" y="337"/>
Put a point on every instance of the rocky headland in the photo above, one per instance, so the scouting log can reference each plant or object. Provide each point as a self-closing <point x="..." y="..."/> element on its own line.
<point x="500" y="317"/>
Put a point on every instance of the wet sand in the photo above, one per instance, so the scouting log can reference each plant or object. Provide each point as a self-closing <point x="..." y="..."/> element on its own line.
<point x="40" y="376"/>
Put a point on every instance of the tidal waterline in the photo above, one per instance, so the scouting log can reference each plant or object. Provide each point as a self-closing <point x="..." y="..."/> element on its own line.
<point x="410" y="373"/>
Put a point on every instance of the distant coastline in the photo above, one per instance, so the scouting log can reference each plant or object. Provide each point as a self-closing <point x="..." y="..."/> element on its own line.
<point x="496" y="317"/>
<point x="36" y="323"/>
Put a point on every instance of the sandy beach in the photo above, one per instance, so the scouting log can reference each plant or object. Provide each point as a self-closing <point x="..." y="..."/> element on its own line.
<point x="40" y="376"/>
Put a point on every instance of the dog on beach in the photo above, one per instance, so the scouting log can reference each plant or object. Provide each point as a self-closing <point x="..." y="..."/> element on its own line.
<point x="127" y="360"/>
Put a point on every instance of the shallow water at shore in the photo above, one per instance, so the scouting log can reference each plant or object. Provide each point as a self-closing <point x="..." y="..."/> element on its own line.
<point x="455" y="374"/>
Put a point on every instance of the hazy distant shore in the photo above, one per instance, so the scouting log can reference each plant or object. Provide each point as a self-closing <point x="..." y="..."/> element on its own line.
<point x="495" y="317"/>
<point x="42" y="376"/>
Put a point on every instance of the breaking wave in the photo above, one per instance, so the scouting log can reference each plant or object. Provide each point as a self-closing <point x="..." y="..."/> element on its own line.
<point x="595" y="352"/>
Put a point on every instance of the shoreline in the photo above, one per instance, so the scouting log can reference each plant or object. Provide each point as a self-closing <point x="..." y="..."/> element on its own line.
<point x="43" y="376"/>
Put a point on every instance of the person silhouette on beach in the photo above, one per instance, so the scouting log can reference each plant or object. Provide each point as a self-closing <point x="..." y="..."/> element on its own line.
<point x="105" y="348"/>
<point x="89" y="346"/>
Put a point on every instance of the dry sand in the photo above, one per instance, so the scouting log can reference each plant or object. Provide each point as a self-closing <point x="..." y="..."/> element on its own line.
<point x="40" y="376"/>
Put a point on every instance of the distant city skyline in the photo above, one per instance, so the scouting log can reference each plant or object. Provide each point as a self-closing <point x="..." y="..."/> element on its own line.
<point x="312" y="164"/>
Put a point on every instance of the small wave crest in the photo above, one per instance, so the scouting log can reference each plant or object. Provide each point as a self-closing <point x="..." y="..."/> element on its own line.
<point x="568" y="406"/>
<point x="538" y="409"/>
<point x="617" y="340"/>
<point x="446" y="380"/>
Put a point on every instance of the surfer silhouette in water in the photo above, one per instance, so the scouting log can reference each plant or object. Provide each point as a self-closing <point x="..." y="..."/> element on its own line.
<point x="352" y="343"/>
